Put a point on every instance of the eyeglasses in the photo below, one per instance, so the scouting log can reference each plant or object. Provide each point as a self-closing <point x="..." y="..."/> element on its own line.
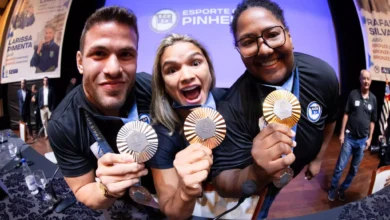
<point x="273" y="37"/>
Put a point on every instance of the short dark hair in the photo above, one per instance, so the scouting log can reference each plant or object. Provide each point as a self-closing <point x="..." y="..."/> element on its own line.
<point x="266" y="4"/>
<point x="110" y="14"/>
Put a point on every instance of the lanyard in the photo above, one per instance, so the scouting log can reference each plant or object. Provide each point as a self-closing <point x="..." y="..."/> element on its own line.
<point x="296" y="93"/>
<point x="210" y="102"/>
<point x="103" y="146"/>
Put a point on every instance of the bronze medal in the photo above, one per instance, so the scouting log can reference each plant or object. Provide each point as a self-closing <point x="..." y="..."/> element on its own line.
<point x="205" y="126"/>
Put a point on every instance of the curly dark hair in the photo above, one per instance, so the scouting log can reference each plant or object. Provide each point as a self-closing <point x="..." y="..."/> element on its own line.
<point x="266" y="4"/>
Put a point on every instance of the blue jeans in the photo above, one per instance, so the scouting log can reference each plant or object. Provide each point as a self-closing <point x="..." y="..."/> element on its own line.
<point x="356" y="148"/>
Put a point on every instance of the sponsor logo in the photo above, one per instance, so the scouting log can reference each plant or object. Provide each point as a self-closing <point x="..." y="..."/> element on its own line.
<point x="164" y="20"/>
<point x="13" y="71"/>
<point x="385" y="70"/>
<point x="377" y="69"/>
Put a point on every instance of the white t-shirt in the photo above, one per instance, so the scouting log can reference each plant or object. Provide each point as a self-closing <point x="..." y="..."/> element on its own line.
<point x="45" y="96"/>
<point x="24" y="94"/>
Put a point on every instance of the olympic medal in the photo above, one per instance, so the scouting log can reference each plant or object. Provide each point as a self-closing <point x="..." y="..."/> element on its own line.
<point x="281" y="106"/>
<point x="138" y="139"/>
<point x="205" y="126"/>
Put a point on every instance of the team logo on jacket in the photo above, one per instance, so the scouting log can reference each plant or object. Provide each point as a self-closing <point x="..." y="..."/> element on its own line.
<point x="314" y="111"/>
<point x="145" y="118"/>
<point x="51" y="54"/>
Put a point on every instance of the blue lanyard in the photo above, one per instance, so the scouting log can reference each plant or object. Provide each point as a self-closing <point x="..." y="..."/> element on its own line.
<point x="104" y="147"/>
<point x="296" y="93"/>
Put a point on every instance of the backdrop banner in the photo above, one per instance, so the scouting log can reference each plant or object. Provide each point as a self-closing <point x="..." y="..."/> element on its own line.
<point x="375" y="22"/>
<point x="33" y="45"/>
<point x="310" y="25"/>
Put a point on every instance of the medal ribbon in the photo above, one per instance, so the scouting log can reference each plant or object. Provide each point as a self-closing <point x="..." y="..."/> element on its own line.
<point x="296" y="93"/>
<point x="104" y="147"/>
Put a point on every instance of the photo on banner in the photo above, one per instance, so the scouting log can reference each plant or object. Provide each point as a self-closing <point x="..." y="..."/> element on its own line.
<point x="33" y="44"/>
<point x="375" y="24"/>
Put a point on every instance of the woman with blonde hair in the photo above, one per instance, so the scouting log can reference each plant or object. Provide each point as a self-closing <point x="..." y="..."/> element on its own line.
<point x="183" y="78"/>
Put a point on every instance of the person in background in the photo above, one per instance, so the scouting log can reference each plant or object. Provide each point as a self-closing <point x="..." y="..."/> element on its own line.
<point x="356" y="134"/>
<point x="45" y="57"/>
<point x="183" y="75"/>
<point x="263" y="39"/>
<point x="72" y="84"/>
<point x="46" y="102"/>
<point x="24" y="97"/>
<point x="37" y="113"/>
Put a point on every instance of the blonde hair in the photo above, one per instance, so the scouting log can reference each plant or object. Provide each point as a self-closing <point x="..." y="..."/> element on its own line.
<point x="161" y="108"/>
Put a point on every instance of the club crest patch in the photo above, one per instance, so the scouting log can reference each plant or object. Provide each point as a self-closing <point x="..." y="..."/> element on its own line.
<point x="314" y="111"/>
<point x="145" y="118"/>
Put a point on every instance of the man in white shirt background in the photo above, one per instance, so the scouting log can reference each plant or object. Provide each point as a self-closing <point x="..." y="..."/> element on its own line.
<point x="46" y="101"/>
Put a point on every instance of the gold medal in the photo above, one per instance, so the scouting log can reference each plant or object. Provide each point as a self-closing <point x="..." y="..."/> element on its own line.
<point x="205" y="126"/>
<point x="281" y="106"/>
<point x="138" y="139"/>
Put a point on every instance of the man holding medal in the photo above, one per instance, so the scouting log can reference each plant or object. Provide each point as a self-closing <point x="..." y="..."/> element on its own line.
<point x="251" y="152"/>
<point x="91" y="115"/>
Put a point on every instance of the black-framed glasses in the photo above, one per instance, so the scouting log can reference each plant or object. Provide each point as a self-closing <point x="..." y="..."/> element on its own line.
<point x="273" y="37"/>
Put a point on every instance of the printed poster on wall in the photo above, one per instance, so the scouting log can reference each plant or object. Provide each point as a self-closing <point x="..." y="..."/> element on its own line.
<point x="375" y="22"/>
<point x="33" y="45"/>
